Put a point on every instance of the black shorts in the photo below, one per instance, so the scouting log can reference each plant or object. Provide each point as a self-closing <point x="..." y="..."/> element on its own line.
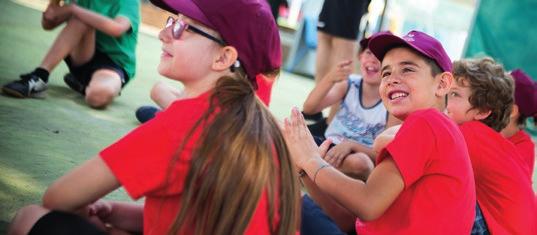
<point x="57" y="222"/>
<point x="99" y="61"/>
<point x="341" y="18"/>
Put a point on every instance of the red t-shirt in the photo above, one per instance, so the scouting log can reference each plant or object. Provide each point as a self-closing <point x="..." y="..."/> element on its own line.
<point x="140" y="162"/>
<point x="526" y="149"/>
<point x="264" y="88"/>
<point x="504" y="192"/>
<point x="439" y="192"/>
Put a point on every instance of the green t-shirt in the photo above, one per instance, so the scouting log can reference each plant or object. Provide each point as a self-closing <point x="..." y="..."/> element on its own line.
<point x="121" y="50"/>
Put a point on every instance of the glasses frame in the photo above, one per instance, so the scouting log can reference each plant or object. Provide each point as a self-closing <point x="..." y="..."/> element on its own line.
<point x="179" y="26"/>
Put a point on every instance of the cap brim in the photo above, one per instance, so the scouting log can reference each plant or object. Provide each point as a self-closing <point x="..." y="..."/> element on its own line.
<point x="185" y="7"/>
<point x="382" y="43"/>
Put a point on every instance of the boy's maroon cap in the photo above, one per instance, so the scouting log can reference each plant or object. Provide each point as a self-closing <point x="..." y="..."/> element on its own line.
<point x="525" y="93"/>
<point x="426" y="45"/>
<point x="247" y="25"/>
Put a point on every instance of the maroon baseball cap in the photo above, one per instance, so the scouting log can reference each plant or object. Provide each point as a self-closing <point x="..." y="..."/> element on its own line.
<point x="247" y="25"/>
<point x="426" y="45"/>
<point x="525" y="93"/>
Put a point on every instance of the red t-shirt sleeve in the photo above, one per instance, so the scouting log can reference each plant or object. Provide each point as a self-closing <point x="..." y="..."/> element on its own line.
<point x="411" y="149"/>
<point x="141" y="159"/>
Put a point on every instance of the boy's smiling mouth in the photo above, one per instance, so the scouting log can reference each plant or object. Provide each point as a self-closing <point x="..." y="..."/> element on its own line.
<point x="396" y="95"/>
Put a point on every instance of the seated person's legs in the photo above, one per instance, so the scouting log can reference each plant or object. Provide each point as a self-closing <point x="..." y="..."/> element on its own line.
<point x="35" y="220"/>
<point x="315" y="221"/>
<point x="357" y="165"/>
<point x="104" y="86"/>
<point x="25" y="219"/>
<point x="163" y="94"/>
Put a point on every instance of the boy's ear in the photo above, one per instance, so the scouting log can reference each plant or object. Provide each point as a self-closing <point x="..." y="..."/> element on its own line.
<point x="445" y="80"/>
<point x="225" y="58"/>
<point x="482" y="114"/>
<point x="514" y="112"/>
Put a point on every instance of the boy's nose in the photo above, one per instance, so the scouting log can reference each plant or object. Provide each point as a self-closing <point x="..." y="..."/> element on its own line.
<point x="393" y="79"/>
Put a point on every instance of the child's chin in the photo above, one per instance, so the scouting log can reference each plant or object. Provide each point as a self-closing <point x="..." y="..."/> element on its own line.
<point x="399" y="112"/>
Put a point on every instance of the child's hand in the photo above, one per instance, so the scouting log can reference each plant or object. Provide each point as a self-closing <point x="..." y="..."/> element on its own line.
<point x="384" y="138"/>
<point x="55" y="14"/>
<point x="101" y="208"/>
<point x="299" y="140"/>
<point x="338" y="153"/>
<point x="341" y="72"/>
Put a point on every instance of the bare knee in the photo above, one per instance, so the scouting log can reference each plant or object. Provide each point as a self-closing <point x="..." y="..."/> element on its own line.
<point x="163" y="94"/>
<point x="157" y="90"/>
<point x="357" y="165"/>
<point x="25" y="219"/>
<point x="104" y="87"/>
<point x="99" y="97"/>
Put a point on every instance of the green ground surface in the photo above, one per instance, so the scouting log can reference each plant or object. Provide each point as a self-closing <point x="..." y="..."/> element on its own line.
<point x="40" y="139"/>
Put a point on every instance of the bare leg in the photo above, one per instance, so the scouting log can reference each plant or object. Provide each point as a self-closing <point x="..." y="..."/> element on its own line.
<point x="322" y="60"/>
<point x="25" y="219"/>
<point x="341" y="49"/>
<point x="357" y="165"/>
<point x="163" y="94"/>
<point x="70" y="38"/>
<point x="104" y="86"/>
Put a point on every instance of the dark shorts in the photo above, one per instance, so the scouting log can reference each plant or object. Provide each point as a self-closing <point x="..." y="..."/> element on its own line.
<point x="99" y="61"/>
<point x="315" y="221"/>
<point x="341" y="18"/>
<point x="480" y="225"/>
<point x="59" y="223"/>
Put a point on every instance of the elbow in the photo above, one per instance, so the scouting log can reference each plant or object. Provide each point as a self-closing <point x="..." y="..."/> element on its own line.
<point x="53" y="200"/>
<point x="50" y="201"/>
<point x="368" y="213"/>
<point x="115" y="30"/>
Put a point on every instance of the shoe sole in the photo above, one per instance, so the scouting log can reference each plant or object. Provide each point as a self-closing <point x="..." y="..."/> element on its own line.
<point x="13" y="93"/>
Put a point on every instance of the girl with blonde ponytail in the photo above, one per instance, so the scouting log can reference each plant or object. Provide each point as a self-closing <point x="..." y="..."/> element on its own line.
<point x="213" y="162"/>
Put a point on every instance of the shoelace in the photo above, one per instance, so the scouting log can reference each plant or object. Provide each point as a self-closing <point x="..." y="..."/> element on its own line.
<point x="27" y="77"/>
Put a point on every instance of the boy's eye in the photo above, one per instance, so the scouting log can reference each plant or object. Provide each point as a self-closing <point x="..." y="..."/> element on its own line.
<point x="385" y="74"/>
<point x="453" y="94"/>
<point x="408" y="70"/>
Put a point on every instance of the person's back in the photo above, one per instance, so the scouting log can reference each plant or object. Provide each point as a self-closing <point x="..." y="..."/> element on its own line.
<point x="504" y="192"/>
<point x="502" y="188"/>
<point x="525" y="107"/>
<point x="122" y="49"/>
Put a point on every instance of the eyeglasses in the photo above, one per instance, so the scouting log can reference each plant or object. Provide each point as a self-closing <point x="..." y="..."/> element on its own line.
<point x="179" y="26"/>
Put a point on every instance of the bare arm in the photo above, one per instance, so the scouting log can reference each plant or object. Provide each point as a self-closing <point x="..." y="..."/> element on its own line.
<point x="367" y="200"/>
<point x="81" y="186"/>
<point x="329" y="90"/>
<point x="113" y="27"/>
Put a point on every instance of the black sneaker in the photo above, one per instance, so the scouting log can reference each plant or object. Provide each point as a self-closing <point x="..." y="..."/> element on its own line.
<point x="146" y="113"/>
<point x="29" y="86"/>
<point x="74" y="83"/>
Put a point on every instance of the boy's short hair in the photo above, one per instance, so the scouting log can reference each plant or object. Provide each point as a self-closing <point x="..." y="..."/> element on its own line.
<point x="525" y="95"/>
<point x="492" y="89"/>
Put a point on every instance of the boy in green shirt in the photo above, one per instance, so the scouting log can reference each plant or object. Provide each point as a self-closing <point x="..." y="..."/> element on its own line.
<point x="97" y="44"/>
